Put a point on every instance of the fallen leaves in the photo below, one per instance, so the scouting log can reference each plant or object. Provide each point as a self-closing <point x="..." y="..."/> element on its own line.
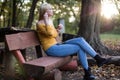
<point x="107" y="72"/>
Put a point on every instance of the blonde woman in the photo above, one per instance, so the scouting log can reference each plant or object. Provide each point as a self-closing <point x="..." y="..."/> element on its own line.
<point x="47" y="35"/>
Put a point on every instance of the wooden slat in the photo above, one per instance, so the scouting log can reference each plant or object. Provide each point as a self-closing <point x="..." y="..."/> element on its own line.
<point x="21" y="40"/>
<point x="45" y="64"/>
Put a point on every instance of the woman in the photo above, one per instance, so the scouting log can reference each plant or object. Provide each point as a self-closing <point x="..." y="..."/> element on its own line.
<point x="47" y="35"/>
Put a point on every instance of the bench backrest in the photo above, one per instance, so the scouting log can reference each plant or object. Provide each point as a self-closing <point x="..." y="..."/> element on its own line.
<point x="22" y="40"/>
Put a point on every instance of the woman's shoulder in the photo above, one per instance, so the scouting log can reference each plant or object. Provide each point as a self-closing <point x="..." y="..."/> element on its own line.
<point x="41" y="22"/>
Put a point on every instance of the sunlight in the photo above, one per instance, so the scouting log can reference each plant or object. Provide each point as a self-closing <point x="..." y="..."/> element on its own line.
<point x="26" y="1"/>
<point x="1" y="17"/>
<point x="72" y="19"/>
<point x="108" y="9"/>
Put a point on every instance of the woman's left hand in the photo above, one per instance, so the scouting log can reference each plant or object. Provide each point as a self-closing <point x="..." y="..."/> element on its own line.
<point x="59" y="27"/>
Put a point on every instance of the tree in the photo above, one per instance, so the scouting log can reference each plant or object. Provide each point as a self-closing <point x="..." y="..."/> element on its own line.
<point x="89" y="26"/>
<point x="31" y="14"/>
<point x="3" y="13"/>
<point x="117" y="5"/>
<point x="14" y="7"/>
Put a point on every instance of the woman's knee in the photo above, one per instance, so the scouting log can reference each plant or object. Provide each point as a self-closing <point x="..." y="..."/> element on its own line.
<point x="81" y="39"/>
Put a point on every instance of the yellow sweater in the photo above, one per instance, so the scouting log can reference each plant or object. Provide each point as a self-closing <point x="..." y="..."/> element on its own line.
<point x="47" y="35"/>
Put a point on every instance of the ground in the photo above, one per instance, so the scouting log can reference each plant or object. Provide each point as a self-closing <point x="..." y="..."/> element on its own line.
<point x="106" y="72"/>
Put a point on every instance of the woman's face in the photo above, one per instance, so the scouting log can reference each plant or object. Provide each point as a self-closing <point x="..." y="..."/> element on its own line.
<point x="50" y="11"/>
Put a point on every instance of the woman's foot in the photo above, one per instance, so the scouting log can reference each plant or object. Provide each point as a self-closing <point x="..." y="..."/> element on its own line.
<point x="88" y="75"/>
<point x="101" y="61"/>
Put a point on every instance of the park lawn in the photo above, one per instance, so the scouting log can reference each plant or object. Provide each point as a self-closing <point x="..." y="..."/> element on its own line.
<point x="111" y="40"/>
<point x="110" y="37"/>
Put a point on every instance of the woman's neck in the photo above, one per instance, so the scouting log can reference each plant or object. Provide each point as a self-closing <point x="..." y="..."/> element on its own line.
<point x="48" y="21"/>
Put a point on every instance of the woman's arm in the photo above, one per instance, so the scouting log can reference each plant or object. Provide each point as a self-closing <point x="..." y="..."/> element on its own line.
<point x="46" y="30"/>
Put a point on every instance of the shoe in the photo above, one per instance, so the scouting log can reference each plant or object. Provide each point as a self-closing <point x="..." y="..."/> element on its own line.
<point x="88" y="75"/>
<point x="101" y="61"/>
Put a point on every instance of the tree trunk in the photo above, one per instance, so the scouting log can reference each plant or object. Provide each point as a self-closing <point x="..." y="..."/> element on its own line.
<point x="90" y="25"/>
<point x="14" y="13"/>
<point x="2" y="13"/>
<point x="31" y="14"/>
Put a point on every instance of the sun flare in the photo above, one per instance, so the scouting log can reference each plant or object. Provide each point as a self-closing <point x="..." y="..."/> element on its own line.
<point x="108" y="9"/>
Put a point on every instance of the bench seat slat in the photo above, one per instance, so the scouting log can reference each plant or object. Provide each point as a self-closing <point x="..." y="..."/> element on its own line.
<point x="45" y="64"/>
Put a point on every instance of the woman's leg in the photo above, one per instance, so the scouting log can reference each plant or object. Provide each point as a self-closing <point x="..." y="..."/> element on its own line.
<point x="88" y="49"/>
<point x="62" y="50"/>
<point x="69" y="49"/>
<point x="83" y="59"/>
<point x="83" y="44"/>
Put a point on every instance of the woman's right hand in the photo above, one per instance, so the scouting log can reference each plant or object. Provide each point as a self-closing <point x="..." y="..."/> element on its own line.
<point x="46" y="15"/>
<point x="46" y="18"/>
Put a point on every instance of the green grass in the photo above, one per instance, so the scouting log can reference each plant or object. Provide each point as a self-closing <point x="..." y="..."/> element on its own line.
<point x="110" y="37"/>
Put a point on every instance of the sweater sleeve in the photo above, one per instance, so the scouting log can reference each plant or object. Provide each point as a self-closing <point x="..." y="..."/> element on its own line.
<point x="47" y="30"/>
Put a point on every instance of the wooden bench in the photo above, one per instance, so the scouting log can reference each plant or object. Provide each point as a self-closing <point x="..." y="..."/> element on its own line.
<point x="36" y="67"/>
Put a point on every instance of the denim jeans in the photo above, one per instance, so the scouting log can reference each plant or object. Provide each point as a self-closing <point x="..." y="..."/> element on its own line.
<point x="73" y="46"/>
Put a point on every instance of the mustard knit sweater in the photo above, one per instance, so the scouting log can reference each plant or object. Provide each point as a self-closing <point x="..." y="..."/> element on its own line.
<point x="47" y="35"/>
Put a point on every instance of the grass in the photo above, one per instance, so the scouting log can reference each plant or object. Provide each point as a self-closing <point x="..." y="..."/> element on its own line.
<point x="110" y="37"/>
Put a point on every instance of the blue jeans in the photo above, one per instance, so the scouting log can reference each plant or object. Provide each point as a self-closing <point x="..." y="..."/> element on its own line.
<point x="73" y="46"/>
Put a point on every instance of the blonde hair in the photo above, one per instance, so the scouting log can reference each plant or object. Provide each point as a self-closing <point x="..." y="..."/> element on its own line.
<point x="43" y="9"/>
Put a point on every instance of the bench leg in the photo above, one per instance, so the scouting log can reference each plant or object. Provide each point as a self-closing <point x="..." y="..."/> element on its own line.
<point x="55" y="74"/>
<point x="58" y="74"/>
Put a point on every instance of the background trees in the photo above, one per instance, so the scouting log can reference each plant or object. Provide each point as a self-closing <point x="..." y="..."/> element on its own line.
<point x="24" y="13"/>
<point x="81" y="17"/>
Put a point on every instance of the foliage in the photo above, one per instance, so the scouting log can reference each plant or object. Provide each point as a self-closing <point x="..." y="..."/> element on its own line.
<point x="7" y="9"/>
<point x="62" y="9"/>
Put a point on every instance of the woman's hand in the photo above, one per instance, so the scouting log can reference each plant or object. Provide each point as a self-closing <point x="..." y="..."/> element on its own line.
<point x="59" y="27"/>
<point x="46" y="15"/>
<point x="46" y="18"/>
